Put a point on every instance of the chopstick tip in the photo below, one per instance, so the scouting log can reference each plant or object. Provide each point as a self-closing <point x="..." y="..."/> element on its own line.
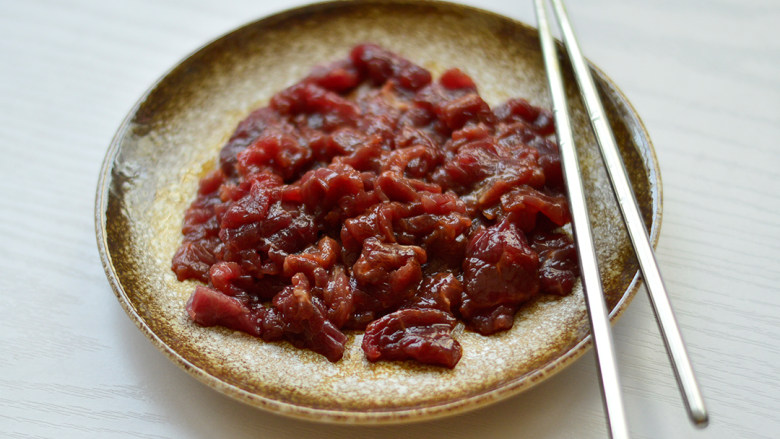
<point x="700" y="419"/>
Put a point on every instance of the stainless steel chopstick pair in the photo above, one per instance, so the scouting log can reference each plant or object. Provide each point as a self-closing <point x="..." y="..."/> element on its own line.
<point x="594" y="296"/>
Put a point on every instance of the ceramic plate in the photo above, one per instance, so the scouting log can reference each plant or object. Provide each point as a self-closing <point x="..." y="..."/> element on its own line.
<point x="172" y="136"/>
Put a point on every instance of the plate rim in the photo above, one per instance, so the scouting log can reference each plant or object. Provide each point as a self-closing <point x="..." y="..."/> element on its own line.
<point x="386" y="415"/>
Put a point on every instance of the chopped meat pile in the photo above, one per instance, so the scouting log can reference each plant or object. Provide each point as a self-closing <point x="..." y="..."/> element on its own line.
<point x="370" y="197"/>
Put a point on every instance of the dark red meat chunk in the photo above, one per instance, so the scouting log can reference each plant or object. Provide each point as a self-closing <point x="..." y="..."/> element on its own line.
<point x="368" y="196"/>
<point x="500" y="272"/>
<point x="304" y="320"/>
<point x="382" y="65"/>
<point x="209" y="307"/>
<point x="340" y="76"/>
<point x="525" y="202"/>
<point x="389" y="272"/>
<point x="455" y="79"/>
<point x="559" y="267"/>
<point x="314" y="261"/>
<point x="193" y="260"/>
<point x="517" y="109"/>
<point x="275" y="151"/>
<point x="420" y="334"/>
<point x="442" y="291"/>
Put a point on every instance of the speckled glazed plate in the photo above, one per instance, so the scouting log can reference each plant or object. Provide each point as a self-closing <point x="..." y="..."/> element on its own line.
<point x="172" y="137"/>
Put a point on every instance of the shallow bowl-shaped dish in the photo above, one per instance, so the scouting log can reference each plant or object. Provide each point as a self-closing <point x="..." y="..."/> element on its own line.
<point x="172" y="136"/>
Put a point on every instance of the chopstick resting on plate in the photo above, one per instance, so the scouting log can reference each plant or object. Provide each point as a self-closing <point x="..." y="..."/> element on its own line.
<point x="662" y="308"/>
<point x="586" y="250"/>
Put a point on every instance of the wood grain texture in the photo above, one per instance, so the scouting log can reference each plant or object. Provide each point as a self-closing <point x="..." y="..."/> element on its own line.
<point x="704" y="76"/>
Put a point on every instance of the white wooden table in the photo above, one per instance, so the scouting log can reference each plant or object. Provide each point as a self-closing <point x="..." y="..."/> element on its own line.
<point x="704" y="76"/>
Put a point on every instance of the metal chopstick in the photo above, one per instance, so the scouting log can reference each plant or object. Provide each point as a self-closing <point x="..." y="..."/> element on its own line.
<point x="586" y="250"/>
<point x="659" y="298"/>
